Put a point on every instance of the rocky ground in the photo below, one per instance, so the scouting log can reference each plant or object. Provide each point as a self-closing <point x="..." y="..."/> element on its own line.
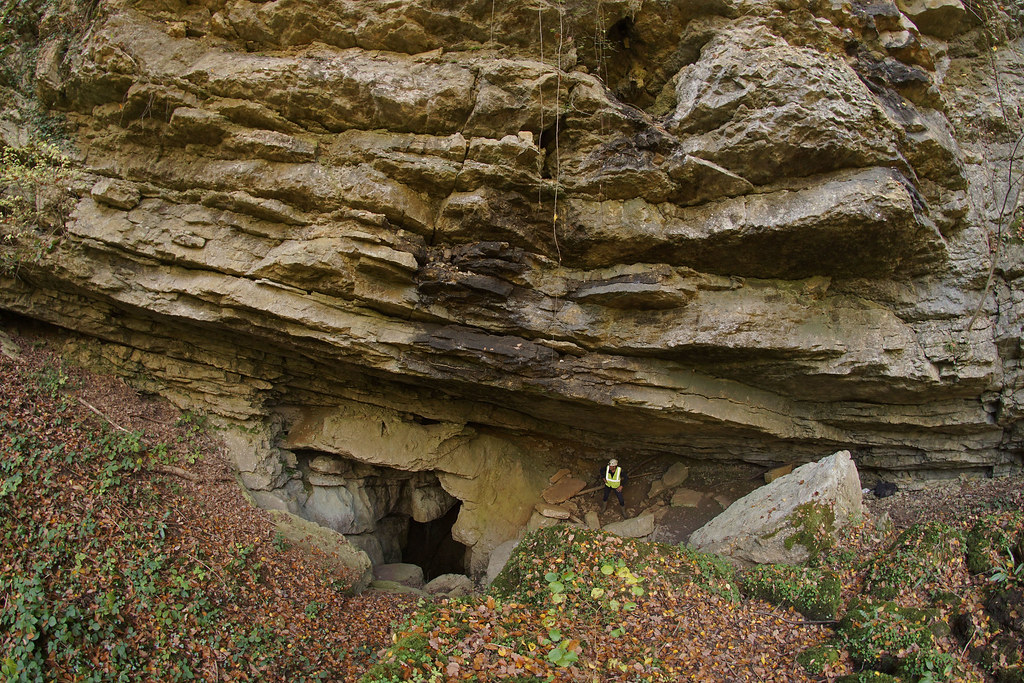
<point x="287" y="599"/>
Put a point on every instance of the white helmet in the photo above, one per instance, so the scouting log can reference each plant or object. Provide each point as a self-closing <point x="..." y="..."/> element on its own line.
<point x="613" y="463"/>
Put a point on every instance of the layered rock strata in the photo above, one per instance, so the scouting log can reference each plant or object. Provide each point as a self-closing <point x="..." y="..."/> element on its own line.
<point x="480" y="240"/>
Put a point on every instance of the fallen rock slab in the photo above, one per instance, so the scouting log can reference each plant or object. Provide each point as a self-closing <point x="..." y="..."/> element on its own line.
<point x="686" y="498"/>
<point x="553" y="511"/>
<point x="803" y="510"/>
<point x="400" y="572"/>
<point x="539" y="521"/>
<point x="634" y="527"/>
<point x="563" y="489"/>
<point x="558" y="475"/>
<point x="675" y="475"/>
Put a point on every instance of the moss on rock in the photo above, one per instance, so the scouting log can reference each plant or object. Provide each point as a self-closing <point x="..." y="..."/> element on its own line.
<point x="815" y="593"/>
<point x="814" y="528"/>
<point x="993" y="540"/>
<point x="923" y="554"/>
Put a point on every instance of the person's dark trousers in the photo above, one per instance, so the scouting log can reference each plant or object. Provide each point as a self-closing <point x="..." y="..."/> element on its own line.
<point x="618" y="494"/>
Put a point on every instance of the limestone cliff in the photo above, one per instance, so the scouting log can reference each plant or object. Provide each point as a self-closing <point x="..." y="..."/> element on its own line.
<point x="473" y="240"/>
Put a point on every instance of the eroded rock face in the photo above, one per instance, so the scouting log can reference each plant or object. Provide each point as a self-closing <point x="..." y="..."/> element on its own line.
<point x="465" y="240"/>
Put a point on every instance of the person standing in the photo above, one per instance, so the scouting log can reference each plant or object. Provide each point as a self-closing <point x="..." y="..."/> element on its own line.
<point x="613" y="481"/>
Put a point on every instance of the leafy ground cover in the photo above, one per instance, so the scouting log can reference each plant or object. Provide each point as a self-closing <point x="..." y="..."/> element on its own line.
<point x="113" y="569"/>
<point x="888" y="603"/>
<point x="114" y="566"/>
<point x="575" y="604"/>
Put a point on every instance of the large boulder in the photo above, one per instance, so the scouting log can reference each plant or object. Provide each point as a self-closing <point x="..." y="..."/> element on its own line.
<point x="790" y="519"/>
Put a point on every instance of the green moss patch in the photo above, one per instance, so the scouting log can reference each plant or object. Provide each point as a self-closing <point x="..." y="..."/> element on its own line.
<point x="815" y="593"/>
<point x="925" y="555"/>
<point x="877" y="636"/>
<point x="816" y="659"/>
<point x="813" y="527"/>
<point x="995" y="544"/>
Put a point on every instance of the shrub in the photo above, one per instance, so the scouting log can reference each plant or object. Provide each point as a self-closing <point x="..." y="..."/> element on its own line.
<point x="813" y="592"/>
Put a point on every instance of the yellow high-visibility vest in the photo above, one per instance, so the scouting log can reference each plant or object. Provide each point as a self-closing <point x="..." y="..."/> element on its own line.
<point x="612" y="479"/>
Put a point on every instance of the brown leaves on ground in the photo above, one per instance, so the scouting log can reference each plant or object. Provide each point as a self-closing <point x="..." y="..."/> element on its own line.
<point x="147" y="575"/>
<point x="578" y="605"/>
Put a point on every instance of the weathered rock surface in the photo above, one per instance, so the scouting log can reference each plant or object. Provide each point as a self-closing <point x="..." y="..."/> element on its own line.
<point x="563" y="489"/>
<point x="462" y="244"/>
<point x="410" y="575"/>
<point x="780" y="523"/>
<point x="499" y="557"/>
<point x="451" y="585"/>
<point x="687" y="498"/>
<point x="552" y="511"/>
<point x="633" y="527"/>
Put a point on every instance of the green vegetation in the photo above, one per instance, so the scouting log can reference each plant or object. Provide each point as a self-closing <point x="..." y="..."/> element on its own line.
<point x="813" y="592"/>
<point x="816" y="659"/>
<point x="813" y="528"/>
<point x="922" y="556"/>
<point x="35" y="202"/>
<point x="995" y="545"/>
<point x="107" y="574"/>
<point x="876" y="634"/>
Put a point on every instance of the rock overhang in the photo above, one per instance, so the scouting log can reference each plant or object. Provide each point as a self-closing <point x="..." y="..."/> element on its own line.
<point x="745" y="238"/>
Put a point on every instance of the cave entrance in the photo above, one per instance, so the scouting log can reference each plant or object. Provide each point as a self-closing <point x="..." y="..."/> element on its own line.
<point x="432" y="546"/>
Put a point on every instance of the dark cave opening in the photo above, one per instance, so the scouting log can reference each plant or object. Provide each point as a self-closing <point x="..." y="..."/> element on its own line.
<point x="620" y="33"/>
<point x="432" y="547"/>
